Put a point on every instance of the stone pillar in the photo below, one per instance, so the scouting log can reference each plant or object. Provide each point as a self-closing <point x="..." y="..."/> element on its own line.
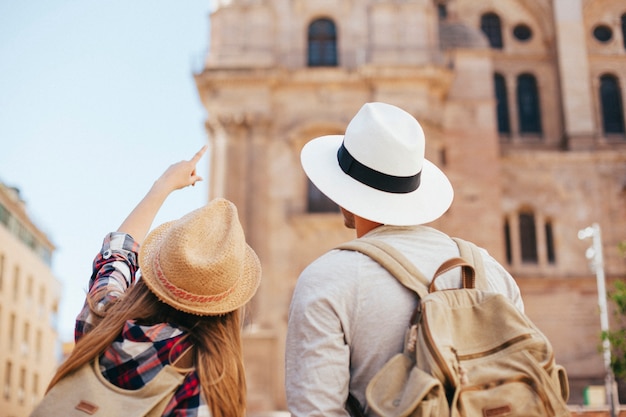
<point x="576" y="92"/>
<point x="516" y="246"/>
<point x="511" y="89"/>
<point x="217" y="153"/>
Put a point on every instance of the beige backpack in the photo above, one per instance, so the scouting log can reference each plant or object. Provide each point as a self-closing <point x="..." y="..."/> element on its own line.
<point x="468" y="352"/>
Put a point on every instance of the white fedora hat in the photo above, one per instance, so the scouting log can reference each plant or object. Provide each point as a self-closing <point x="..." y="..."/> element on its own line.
<point x="377" y="170"/>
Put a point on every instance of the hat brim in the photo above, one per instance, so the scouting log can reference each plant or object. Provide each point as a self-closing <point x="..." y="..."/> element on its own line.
<point x="426" y="204"/>
<point x="245" y="289"/>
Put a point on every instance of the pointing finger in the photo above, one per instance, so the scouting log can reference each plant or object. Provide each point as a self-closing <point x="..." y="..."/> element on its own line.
<point x="198" y="154"/>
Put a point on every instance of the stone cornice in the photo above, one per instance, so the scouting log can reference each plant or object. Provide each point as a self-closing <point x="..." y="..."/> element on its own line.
<point x="218" y="78"/>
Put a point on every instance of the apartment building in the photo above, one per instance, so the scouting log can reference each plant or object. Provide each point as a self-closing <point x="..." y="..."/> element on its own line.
<point x="29" y="304"/>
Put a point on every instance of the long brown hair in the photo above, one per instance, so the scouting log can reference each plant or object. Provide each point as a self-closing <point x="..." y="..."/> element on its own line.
<point x="217" y="341"/>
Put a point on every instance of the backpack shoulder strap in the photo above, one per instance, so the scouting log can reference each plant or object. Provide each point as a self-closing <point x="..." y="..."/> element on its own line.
<point x="471" y="254"/>
<point x="185" y="361"/>
<point x="393" y="261"/>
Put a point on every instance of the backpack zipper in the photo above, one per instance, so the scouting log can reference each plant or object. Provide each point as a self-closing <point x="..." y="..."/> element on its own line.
<point x="440" y="361"/>
<point x="498" y="348"/>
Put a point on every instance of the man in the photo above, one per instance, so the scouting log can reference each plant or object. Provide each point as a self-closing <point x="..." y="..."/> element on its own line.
<point x="348" y="315"/>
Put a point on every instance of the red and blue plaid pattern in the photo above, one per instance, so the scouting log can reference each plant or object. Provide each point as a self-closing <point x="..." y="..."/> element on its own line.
<point x="139" y="352"/>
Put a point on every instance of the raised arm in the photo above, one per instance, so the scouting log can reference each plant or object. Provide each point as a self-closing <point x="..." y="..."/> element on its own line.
<point x="115" y="266"/>
<point x="177" y="176"/>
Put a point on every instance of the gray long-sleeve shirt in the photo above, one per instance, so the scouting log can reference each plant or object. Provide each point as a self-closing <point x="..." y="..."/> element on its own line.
<point x="348" y="316"/>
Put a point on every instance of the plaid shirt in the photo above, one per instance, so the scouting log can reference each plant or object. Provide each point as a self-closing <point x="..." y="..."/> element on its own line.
<point x="139" y="352"/>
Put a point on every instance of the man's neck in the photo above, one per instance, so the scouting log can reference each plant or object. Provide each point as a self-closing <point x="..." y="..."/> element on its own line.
<point x="364" y="226"/>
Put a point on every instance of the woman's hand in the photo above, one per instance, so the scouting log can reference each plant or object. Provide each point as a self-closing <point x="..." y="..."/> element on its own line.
<point x="177" y="176"/>
<point x="181" y="174"/>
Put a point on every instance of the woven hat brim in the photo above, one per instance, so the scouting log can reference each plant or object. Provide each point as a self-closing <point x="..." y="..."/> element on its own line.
<point x="426" y="204"/>
<point x="244" y="290"/>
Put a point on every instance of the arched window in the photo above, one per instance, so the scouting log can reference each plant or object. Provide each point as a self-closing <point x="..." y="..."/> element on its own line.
<point x="611" y="104"/>
<point x="522" y="231"/>
<point x="528" y="104"/>
<point x="624" y="29"/>
<point x="317" y="202"/>
<point x="490" y="25"/>
<point x="502" y="105"/>
<point x="528" y="238"/>
<point x="8" y="371"/>
<point x="442" y="11"/>
<point x="322" y="40"/>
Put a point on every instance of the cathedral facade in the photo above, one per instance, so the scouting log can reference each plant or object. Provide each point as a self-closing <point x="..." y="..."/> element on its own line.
<point x="522" y="104"/>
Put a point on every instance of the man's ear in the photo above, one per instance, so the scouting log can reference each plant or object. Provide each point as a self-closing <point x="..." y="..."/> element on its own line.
<point x="348" y="219"/>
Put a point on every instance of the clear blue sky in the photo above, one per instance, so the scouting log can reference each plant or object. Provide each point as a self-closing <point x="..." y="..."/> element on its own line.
<point x="97" y="98"/>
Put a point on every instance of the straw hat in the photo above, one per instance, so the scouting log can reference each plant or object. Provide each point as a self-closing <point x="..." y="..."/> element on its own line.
<point x="201" y="264"/>
<point x="377" y="170"/>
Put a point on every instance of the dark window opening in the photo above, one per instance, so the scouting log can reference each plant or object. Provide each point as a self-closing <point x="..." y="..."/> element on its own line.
<point x="507" y="242"/>
<point x="528" y="104"/>
<point x="317" y="202"/>
<point x="550" y="243"/>
<point x="522" y="32"/>
<point x="611" y="105"/>
<point x="624" y="29"/>
<point x="502" y="105"/>
<point x="603" y="33"/>
<point x="528" y="238"/>
<point x="322" y="39"/>
<point x="491" y="26"/>
<point x="442" y="11"/>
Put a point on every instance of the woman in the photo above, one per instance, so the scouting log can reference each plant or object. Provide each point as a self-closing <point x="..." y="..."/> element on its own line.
<point x="196" y="275"/>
